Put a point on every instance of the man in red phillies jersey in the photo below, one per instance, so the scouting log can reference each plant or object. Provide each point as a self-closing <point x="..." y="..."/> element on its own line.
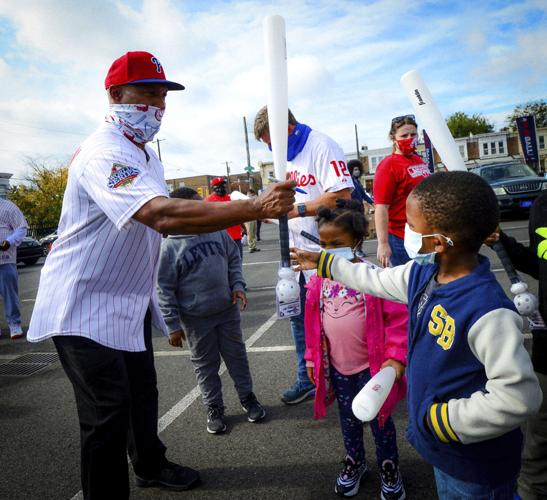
<point x="219" y="194"/>
<point x="318" y="165"/>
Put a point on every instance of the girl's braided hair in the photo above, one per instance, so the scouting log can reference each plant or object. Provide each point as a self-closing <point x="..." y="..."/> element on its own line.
<point x="348" y="215"/>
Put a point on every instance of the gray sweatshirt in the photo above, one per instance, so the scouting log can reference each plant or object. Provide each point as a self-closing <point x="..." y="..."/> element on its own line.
<point x="197" y="275"/>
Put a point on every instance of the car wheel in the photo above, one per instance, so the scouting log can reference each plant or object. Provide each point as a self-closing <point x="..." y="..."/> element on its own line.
<point x="30" y="262"/>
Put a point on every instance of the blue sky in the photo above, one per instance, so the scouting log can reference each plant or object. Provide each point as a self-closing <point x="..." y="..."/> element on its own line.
<point x="345" y="59"/>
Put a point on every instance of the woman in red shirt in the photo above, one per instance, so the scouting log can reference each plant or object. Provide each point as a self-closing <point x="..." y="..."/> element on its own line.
<point x="395" y="177"/>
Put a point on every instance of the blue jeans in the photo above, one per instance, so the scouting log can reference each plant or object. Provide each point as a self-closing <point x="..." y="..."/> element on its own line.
<point x="450" y="488"/>
<point x="398" y="252"/>
<point x="346" y="388"/>
<point x="297" y="329"/>
<point x="10" y="293"/>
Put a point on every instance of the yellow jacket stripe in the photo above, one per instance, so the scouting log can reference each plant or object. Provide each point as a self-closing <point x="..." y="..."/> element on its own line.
<point x="438" y="422"/>
<point x="324" y="265"/>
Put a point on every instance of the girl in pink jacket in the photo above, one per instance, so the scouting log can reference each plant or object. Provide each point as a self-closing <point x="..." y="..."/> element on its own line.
<point x="349" y="337"/>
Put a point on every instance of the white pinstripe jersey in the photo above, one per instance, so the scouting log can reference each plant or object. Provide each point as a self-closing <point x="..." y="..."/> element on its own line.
<point x="11" y="218"/>
<point x="100" y="276"/>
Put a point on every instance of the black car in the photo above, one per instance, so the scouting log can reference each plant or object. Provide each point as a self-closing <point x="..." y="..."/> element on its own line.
<point x="29" y="251"/>
<point x="47" y="241"/>
<point x="516" y="185"/>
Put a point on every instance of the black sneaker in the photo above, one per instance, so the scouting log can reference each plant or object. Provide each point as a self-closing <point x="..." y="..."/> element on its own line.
<point x="215" y="420"/>
<point x="253" y="408"/>
<point x="392" y="487"/>
<point x="172" y="477"/>
<point x="349" y="478"/>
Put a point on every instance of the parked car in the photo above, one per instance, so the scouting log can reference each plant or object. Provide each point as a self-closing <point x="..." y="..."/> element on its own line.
<point x="516" y="185"/>
<point x="29" y="251"/>
<point x="47" y="241"/>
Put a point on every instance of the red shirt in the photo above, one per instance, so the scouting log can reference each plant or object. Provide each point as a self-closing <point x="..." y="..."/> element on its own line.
<point x="395" y="177"/>
<point x="234" y="231"/>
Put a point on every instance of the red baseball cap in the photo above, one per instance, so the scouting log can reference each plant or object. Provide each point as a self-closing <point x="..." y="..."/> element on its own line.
<point x="218" y="180"/>
<point x="138" y="67"/>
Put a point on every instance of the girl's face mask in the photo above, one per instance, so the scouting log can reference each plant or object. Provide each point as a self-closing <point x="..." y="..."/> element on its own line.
<point x="407" y="146"/>
<point x="345" y="252"/>
<point x="413" y="245"/>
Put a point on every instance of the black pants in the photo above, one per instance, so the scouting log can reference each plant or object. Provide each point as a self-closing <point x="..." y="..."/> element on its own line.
<point x="117" y="401"/>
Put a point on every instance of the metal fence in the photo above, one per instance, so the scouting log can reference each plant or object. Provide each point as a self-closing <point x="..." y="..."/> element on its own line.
<point x="38" y="231"/>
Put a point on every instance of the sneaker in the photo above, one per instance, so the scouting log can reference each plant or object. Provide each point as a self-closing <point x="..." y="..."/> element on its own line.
<point x="297" y="393"/>
<point x="172" y="477"/>
<point x="252" y="250"/>
<point x="391" y="482"/>
<point x="215" y="420"/>
<point x="253" y="408"/>
<point x="349" y="479"/>
<point x="15" y="331"/>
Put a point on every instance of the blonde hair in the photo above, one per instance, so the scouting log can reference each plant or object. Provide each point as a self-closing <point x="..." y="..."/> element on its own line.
<point x="261" y="122"/>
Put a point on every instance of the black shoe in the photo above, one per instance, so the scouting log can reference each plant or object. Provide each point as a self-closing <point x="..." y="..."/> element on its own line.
<point x="252" y="250"/>
<point x="253" y="408"/>
<point x="172" y="477"/>
<point x="215" y="420"/>
<point x="391" y="482"/>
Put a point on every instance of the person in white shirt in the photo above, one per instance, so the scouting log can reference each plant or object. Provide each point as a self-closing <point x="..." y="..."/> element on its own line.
<point x="13" y="228"/>
<point x="318" y="165"/>
<point x="97" y="295"/>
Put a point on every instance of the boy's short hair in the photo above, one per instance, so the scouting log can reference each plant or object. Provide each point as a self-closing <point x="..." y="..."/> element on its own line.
<point x="185" y="193"/>
<point x="261" y="122"/>
<point x="461" y="204"/>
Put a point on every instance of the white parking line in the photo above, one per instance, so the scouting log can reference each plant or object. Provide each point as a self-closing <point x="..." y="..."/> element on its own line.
<point x="258" y="263"/>
<point x="273" y="348"/>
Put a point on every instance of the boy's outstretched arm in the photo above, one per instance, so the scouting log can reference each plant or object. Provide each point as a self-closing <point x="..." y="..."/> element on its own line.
<point x="512" y="391"/>
<point x="390" y="283"/>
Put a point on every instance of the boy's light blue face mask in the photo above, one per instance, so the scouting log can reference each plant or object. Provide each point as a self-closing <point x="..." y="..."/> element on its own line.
<point x="413" y="244"/>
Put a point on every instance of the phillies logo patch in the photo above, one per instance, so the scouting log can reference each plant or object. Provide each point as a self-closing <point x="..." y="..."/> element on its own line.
<point x="122" y="176"/>
<point x="157" y="63"/>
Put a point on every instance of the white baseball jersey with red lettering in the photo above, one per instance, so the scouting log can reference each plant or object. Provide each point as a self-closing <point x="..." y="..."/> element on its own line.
<point x="319" y="168"/>
<point x="100" y="277"/>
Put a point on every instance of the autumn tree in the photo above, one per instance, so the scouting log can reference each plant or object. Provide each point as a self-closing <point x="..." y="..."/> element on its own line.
<point x="536" y="108"/>
<point x="40" y="197"/>
<point x="461" y="124"/>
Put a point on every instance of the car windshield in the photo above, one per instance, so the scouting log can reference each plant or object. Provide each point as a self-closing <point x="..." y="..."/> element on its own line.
<point x="511" y="170"/>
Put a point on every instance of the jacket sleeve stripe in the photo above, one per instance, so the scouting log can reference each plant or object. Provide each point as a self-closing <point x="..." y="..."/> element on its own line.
<point x="446" y="422"/>
<point x="324" y="264"/>
<point x="435" y="424"/>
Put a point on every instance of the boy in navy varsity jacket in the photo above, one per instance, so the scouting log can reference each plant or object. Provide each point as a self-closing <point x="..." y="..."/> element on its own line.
<point x="470" y="380"/>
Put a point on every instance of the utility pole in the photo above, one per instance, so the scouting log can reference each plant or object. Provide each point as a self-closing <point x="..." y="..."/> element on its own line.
<point x="248" y="168"/>
<point x="228" y="175"/>
<point x="357" y="143"/>
<point x="157" y="141"/>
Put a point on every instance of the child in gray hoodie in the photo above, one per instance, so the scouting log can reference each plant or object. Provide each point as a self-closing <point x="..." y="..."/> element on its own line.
<point x="200" y="281"/>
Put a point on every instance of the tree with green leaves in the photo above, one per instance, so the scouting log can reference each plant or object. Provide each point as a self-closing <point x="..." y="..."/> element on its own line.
<point x="40" y="198"/>
<point x="461" y="124"/>
<point x="536" y="108"/>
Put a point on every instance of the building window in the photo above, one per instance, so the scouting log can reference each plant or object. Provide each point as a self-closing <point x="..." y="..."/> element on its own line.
<point x="461" y="147"/>
<point x="541" y="142"/>
<point x="493" y="148"/>
<point x="485" y="148"/>
<point x="501" y="147"/>
<point x="374" y="162"/>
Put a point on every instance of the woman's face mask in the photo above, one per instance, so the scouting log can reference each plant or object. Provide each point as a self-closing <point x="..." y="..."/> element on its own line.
<point x="407" y="146"/>
<point x="413" y="244"/>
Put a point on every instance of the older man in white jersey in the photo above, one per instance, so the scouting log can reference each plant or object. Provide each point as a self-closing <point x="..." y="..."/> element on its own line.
<point x="13" y="228"/>
<point x="318" y="165"/>
<point x="97" y="295"/>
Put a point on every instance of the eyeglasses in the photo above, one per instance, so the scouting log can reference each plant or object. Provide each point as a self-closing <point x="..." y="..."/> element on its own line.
<point x="402" y="118"/>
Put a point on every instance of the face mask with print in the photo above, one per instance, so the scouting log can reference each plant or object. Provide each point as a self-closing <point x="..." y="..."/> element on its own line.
<point x="413" y="244"/>
<point x="138" y="122"/>
<point x="407" y="146"/>
<point x="356" y="173"/>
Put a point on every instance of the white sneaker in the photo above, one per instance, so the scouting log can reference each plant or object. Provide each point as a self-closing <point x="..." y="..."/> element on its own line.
<point x="15" y="331"/>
